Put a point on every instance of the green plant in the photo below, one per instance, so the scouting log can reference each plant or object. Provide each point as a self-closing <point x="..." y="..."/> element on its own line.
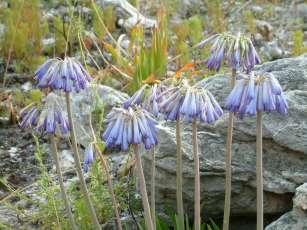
<point x="172" y="221"/>
<point x="108" y="17"/>
<point x="250" y="21"/>
<point x="59" y="34"/>
<point x="22" y="40"/>
<point x="216" y="15"/>
<point x="50" y="212"/>
<point x="150" y="62"/>
<point x="195" y="29"/>
<point x="298" y="47"/>
<point x="100" y="197"/>
<point x="181" y="31"/>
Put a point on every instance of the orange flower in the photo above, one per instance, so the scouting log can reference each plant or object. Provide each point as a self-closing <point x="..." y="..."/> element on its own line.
<point x="151" y="79"/>
<point x="185" y="68"/>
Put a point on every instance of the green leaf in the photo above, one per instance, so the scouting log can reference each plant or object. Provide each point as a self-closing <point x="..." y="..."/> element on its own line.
<point x="35" y="95"/>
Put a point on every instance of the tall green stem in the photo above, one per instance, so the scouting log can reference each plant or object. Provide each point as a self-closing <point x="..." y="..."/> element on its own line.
<point x="148" y="220"/>
<point x="259" y="175"/>
<point x="180" y="211"/>
<point x="61" y="181"/>
<point x="228" y="162"/>
<point x="153" y="184"/>
<point x="197" y="177"/>
<point x="78" y="165"/>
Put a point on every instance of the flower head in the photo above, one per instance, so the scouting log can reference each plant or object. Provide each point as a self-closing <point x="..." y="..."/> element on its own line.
<point x="48" y="119"/>
<point x="88" y="157"/>
<point x="136" y="98"/>
<point x="52" y="120"/>
<point x="153" y="99"/>
<point x="235" y="51"/>
<point x="190" y="102"/>
<point x="256" y="94"/>
<point x="133" y="125"/>
<point x="29" y="117"/>
<point x="67" y="75"/>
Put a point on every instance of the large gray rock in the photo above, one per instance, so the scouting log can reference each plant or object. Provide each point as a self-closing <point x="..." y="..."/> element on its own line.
<point x="85" y="102"/>
<point x="297" y="218"/>
<point x="285" y="151"/>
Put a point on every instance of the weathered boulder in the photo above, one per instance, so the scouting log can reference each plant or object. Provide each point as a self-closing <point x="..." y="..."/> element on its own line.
<point x="86" y="101"/>
<point x="297" y="218"/>
<point x="285" y="151"/>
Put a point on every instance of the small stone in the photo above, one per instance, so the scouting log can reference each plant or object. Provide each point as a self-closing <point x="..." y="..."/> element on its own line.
<point x="125" y="44"/>
<point x="66" y="160"/>
<point x="258" y="10"/>
<point x="297" y="218"/>
<point x="265" y="29"/>
<point x="27" y="86"/>
<point x="272" y="51"/>
<point x="300" y="199"/>
<point x="48" y="42"/>
<point x="258" y="39"/>
<point x="302" y="11"/>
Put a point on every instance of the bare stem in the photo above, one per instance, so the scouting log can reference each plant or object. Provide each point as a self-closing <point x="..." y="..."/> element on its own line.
<point x="111" y="190"/>
<point x="109" y="179"/>
<point x="148" y="220"/>
<point x="259" y="174"/>
<point x="228" y="162"/>
<point x="78" y="165"/>
<point x="152" y="190"/>
<point x="180" y="211"/>
<point x="61" y="181"/>
<point x="197" y="177"/>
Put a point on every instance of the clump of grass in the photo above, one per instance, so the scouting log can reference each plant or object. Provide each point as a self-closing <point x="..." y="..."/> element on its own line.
<point x="196" y="29"/>
<point x="180" y="46"/>
<point x="250" y="21"/>
<point x="216" y="15"/>
<point x="298" y="46"/>
<point x="22" y="40"/>
<point x="151" y="62"/>
<point x="109" y="19"/>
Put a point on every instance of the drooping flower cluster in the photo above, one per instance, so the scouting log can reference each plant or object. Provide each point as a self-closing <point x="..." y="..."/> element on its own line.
<point x="88" y="157"/>
<point x="48" y="120"/>
<point x="190" y="102"/>
<point x="67" y="75"/>
<point x="136" y="98"/>
<point x="251" y="94"/>
<point x="234" y="51"/>
<point x="29" y="117"/>
<point x="133" y="125"/>
<point x="153" y="99"/>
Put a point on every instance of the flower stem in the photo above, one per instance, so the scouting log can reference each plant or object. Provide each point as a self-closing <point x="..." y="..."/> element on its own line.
<point x="180" y="211"/>
<point x="110" y="186"/>
<point x="78" y="165"/>
<point x="148" y="221"/>
<point x="61" y="181"/>
<point x="228" y="162"/>
<point x="197" y="177"/>
<point x="152" y="189"/>
<point x="107" y="171"/>
<point x="259" y="174"/>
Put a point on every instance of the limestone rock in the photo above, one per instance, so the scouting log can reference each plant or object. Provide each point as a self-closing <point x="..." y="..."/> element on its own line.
<point x="84" y="102"/>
